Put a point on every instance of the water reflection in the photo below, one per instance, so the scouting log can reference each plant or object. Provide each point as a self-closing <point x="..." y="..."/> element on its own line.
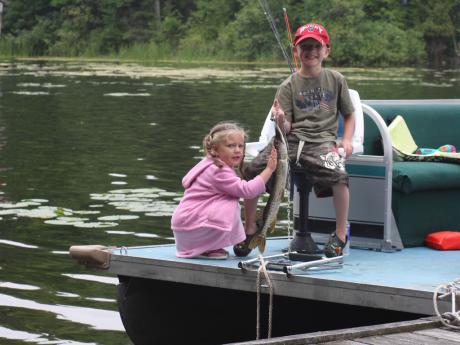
<point x="10" y="285"/>
<point x="17" y="244"/>
<point x="94" y="278"/>
<point x="11" y="334"/>
<point x="96" y="318"/>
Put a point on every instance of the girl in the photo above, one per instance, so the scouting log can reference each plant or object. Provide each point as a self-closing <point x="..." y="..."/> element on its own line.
<point x="208" y="217"/>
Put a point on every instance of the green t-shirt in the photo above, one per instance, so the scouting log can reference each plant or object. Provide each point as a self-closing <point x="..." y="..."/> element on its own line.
<point x="312" y="104"/>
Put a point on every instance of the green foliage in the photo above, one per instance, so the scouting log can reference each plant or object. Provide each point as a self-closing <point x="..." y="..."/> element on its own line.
<point x="11" y="47"/>
<point x="205" y="26"/>
<point x="145" y="52"/>
<point x="378" y="44"/>
<point x="249" y="37"/>
<point x="363" y="33"/>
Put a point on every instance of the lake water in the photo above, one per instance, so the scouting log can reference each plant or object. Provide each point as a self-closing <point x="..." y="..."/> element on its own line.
<point x="94" y="154"/>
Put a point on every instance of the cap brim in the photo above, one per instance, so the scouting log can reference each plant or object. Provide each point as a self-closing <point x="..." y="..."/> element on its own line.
<point x="315" y="37"/>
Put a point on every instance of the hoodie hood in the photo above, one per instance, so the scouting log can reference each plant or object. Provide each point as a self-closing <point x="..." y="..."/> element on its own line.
<point x="196" y="171"/>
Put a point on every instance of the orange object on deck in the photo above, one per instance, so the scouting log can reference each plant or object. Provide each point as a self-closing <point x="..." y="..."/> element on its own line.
<point x="443" y="240"/>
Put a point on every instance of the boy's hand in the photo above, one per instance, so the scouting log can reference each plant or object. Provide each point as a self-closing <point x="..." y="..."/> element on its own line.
<point x="272" y="160"/>
<point x="278" y="114"/>
<point x="347" y="146"/>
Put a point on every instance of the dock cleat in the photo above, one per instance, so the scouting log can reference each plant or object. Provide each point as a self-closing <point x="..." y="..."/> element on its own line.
<point x="334" y="246"/>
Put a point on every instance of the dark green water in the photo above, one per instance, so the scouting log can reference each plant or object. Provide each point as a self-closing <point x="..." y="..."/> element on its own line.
<point x="103" y="140"/>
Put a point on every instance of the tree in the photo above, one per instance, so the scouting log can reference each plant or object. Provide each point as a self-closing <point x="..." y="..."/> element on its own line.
<point x="438" y="22"/>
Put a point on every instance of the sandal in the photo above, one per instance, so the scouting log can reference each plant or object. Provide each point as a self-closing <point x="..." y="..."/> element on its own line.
<point x="242" y="249"/>
<point x="218" y="254"/>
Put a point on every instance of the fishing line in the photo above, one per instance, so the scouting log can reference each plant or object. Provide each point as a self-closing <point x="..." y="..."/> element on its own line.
<point x="271" y="21"/>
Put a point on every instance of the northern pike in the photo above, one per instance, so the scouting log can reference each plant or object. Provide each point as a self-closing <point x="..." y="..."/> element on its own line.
<point x="280" y="175"/>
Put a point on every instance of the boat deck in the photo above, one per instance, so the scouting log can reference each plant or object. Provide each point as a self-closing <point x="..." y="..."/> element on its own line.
<point x="402" y="281"/>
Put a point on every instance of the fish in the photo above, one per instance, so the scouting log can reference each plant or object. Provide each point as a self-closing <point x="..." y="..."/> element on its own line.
<point x="271" y="209"/>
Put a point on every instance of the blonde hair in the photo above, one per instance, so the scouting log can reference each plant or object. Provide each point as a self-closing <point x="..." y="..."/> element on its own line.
<point x="217" y="135"/>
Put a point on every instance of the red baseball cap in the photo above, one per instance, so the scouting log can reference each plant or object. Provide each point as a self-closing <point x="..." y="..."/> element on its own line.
<point x="311" y="30"/>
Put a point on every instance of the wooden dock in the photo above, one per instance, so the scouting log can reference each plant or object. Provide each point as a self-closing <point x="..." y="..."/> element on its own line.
<point x="402" y="281"/>
<point x="361" y="296"/>
<point x="426" y="331"/>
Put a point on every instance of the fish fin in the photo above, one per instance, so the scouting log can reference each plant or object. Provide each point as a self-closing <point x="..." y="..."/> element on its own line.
<point x="252" y="243"/>
<point x="261" y="245"/>
<point x="271" y="228"/>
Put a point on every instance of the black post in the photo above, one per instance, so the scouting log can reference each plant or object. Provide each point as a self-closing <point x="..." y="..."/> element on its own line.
<point x="303" y="242"/>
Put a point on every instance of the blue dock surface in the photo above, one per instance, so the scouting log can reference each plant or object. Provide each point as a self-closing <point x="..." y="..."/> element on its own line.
<point x="404" y="280"/>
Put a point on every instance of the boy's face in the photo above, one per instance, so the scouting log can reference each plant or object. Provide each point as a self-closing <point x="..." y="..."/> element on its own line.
<point x="311" y="52"/>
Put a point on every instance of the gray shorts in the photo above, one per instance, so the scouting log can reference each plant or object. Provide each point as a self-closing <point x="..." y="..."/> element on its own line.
<point x="321" y="163"/>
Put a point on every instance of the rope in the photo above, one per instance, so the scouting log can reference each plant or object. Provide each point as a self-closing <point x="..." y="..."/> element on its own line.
<point x="449" y="319"/>
<point x="290" y="233"/>
<point x="263" y="270"/>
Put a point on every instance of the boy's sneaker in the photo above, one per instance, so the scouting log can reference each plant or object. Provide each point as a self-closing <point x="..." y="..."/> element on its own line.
<point x="334" y="246"/>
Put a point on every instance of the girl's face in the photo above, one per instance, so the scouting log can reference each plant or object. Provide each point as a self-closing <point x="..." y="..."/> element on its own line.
<point x="231" y="149"/>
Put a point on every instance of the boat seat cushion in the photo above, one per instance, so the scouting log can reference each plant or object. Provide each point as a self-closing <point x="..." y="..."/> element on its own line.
<point x="409" y="177"/>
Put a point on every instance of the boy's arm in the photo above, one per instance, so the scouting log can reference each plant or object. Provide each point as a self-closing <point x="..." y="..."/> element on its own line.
<point x="348" y="129"/>
<point x="284" y="100"/>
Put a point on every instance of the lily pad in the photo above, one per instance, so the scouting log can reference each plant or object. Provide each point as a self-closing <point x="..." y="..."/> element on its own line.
<point x="87" y="211"/>
<point x="117" y="217"/>
<point x="38" y="213"/>
<point x="14" y="205"/>
<point x="95" y="225"/>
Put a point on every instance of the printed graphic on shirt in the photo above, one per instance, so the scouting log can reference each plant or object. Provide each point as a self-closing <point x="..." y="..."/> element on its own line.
<point x="333" y="161"/>
<point x="314" y="99"/>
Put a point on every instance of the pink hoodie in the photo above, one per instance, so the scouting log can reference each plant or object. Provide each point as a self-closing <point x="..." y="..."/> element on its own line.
<point x="211" y="198"/>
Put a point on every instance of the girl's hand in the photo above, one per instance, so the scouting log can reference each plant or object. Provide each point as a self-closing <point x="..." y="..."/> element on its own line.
<point x="272" y="160"/>
<point x="272" y="163"/>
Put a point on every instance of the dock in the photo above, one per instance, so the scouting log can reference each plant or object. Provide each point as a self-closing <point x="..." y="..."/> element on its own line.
<point x="401" y="281"/>
<point x="215" y="301"/>
<point x="423" y="331"/>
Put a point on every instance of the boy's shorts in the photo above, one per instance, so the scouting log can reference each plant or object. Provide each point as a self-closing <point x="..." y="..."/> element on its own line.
<point x="323" y="166"/>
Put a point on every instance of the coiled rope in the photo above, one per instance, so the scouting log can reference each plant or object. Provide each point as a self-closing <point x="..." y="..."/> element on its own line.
<point x="450" y="319"/>
<point x="263" y="271"/>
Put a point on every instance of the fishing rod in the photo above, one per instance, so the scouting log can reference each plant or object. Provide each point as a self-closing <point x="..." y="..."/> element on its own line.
<point x="288" y="29"/>
<point x="271" y="21"/>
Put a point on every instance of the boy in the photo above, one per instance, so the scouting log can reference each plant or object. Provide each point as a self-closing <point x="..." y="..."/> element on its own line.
<point x="309" y="103"/>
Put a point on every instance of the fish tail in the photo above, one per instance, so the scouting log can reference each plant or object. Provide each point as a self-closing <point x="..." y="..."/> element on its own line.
<point x="258" y="241"/>
<point x="261" y="245"/>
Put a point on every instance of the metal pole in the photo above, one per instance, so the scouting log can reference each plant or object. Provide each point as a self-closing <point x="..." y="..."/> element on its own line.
<point x="387" y="245"/>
